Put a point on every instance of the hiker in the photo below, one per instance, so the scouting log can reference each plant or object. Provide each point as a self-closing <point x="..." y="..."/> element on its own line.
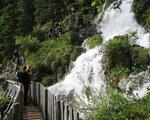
<point x="26" y="83"/>
<point x="24" y="78"/>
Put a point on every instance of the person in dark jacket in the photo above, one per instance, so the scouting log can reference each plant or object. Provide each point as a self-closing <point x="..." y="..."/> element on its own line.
<point x="26" y="84"/>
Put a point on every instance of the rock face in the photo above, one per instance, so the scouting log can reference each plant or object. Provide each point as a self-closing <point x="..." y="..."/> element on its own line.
<point x="136" y="85"/>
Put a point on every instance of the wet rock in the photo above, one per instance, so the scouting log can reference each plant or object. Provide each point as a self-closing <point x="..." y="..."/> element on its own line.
<point x="136" y="85"/>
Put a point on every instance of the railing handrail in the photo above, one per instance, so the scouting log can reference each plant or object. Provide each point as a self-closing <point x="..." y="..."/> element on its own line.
<point x="51" y="107"/>
<point x="10" y="112"/>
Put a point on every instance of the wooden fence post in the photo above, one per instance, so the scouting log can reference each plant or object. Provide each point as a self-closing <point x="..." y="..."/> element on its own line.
<point x="16" y="112"/>
<point x="46" y="104"/>
<point x="53" y="107"/>
<point x="76" y="115"/>
<point x="21" y="102"/>
<point x="70" y="113"/>
<point x="66" y="113"/>
<point x="55" y="110"/>
<point x="62" y="110"/>
<point x="58" y="110"/>
<point x="49" y="106"/>
<point x="38" y="97"/>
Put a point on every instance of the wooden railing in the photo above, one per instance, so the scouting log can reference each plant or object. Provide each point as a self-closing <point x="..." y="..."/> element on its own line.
<point x="51" y="107"/>
<point x="15" y="106"/>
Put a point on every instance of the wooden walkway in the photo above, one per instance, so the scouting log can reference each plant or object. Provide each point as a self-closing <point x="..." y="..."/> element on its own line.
<point x="52" y="108"/>
<point x="31" y="112"/>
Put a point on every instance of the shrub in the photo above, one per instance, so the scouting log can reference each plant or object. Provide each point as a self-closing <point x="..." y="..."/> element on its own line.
<point x="3" y="99"/>
<point x="118" y="52"/>
<point x="122" y="59"/>
<point x="141" y="9"/>
<point x="72" y="37"/>
<point x="118" y="73"/>
<point x="116" y="107"/>
<point x="140" y="58"/>
<point x="25" y="40"/>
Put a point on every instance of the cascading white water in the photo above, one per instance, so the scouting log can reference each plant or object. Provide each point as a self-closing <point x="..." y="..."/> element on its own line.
<point x="87" y="70"/>
<point x="119" y="20"/>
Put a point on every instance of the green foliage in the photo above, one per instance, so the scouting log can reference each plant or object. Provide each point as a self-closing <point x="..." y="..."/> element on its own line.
<point x="118" y="52"/>
<point x="76" y="52"/>
<point x="71" y="22"/>
<point x="45" y="32"/>
<point x="15" y="19"/>
<point x="97" y="4"/>
<point x="55" y="54"/>
<point x="116" y="107"/>
<point x="120" y="72"/>
<point x="94" y="41"/>
<point x="25" y="40"/>
<point x="122" y="59"/>
<point x="140" y="58"/>
<point x="3" y="99"/>
<point x="47" y="80"/>
<point x="142" y="10"/>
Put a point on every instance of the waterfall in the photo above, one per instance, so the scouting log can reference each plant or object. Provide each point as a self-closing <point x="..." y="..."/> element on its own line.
<point x="117" y="20"/>
<point x="86" y="73"/>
